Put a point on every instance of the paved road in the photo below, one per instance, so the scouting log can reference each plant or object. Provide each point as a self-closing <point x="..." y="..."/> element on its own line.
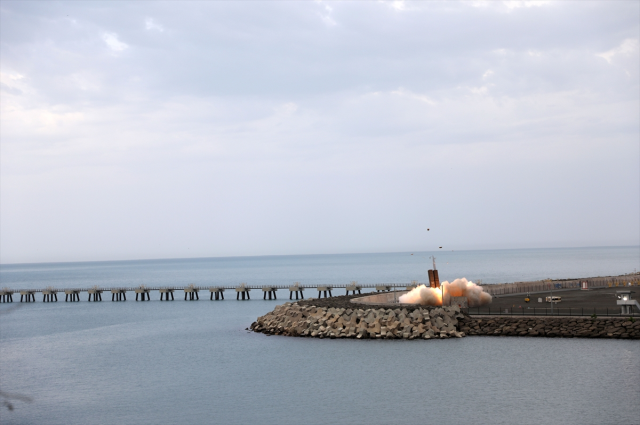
<point x="572" y="298"/>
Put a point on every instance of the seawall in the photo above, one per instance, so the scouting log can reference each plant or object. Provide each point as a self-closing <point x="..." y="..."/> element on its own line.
<point x="565" y="327"/>
<point x="338" y="317"/>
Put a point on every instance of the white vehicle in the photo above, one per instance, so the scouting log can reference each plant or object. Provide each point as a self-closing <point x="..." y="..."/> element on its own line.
<point x="554" y="300"/>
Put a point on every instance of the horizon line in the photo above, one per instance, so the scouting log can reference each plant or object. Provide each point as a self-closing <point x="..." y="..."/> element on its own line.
<point x="308" y="255"/>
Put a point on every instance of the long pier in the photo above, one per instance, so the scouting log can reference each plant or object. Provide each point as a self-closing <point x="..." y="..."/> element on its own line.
<point x="191" y="292"/>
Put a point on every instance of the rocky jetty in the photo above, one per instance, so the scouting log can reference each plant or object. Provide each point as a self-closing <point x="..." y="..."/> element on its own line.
<point x="338" y="317"/>
<point x="305" y="320"/>
<point x="565" y="327"/>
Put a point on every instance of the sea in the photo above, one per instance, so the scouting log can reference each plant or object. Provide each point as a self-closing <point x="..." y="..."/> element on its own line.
<point x="195" y="362"/>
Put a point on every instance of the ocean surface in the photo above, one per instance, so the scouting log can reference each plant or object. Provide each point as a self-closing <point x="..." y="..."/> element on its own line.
<point x="193" y="362"/>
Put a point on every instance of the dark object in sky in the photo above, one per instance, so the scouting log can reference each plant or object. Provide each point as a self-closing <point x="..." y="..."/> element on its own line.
<point x="427" y="230"/>
<point x="439" y="247"/>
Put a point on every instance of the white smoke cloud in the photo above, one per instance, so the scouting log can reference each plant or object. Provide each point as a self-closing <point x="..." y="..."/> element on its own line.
<point x="458" y="288"/>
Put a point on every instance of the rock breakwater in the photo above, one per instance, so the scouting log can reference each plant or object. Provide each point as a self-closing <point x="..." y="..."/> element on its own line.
<point x="565" y="327"/>
<point x="338" y="317"/>
<point x="294" y="319"/>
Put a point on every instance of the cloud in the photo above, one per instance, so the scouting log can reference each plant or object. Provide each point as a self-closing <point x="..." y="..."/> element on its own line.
<point x="113" y="43"/>
<point x="422" y="98"/>
<point x="256" y="130"/>
<point x="12" y="83"/>
<point x="627" y="48"/>
<point x="516" y="4"/>
<point x="150" y="24"/>
<point x="326" y="17"/>
<point x="510" y="4"/>
<point x="399" y="5"/>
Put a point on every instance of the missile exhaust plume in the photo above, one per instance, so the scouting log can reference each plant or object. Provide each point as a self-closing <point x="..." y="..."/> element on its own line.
<point x="424" y="295"/>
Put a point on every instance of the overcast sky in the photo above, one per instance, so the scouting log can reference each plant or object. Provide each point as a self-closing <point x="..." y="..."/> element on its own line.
<point x="147" y="129"/>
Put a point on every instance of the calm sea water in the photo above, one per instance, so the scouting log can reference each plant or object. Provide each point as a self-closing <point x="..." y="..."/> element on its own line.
<point x="194" y="362"/>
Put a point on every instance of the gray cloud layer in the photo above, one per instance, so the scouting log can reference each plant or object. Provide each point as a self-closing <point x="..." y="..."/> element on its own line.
<point x="148" y="129"/>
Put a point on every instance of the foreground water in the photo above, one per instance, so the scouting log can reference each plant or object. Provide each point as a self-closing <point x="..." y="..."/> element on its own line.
<point x="194" y="362"/>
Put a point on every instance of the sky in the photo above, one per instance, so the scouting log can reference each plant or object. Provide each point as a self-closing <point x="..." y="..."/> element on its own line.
<point x="134" y="130"/>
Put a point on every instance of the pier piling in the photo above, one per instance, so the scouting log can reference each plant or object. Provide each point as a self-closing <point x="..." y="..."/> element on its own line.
<point x="191" y="293"/>
<point x="219" y="293"/>
<point x="353" y="287"/>
<point x="165" y="292"/>
<point x="144" y="293"/>
<point x="49" y="295"/>
<point x="6" y="295"/>
<point x="269" y="290"/>
<point x="324" y="289"/>
<point x="242" y="289"/>
<point x="297" y="289"/>
<point x="28" y="296"/>
<point x="71" y="295"/>
<point x="118" y="295"/>
<point x="96" y="293"/>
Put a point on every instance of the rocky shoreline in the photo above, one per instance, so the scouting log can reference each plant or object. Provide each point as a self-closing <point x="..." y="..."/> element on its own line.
<point x="564" y="327"/>
<point x="339" y="318"/>
<point x="293" y="319"/>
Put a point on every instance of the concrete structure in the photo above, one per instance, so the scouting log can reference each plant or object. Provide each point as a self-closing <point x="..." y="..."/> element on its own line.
<point x="625" y="302"/>
<point x="461" y="302"/>
<point x="414" y="284"/>
<point x="383" y="288"/>
<point x="191" y="293"/>
<point x="144" y="293"/>
<point x="72" y="295"/>
<point x="29" y="296"/>
<point x="49" y="295"/>
<point x="96" y="293"/>
<point x="382" y="298"/>
<point x="165" y="292"/>
<point x="497" y="290"/>
<point x="353" y="287"/>
<point x="6" y="295"/>
<point x="118" y="294"/>
<point x="271" y="290"/>
<point x="244" y="290"/>
<point x="325" y="289"/>
<point x="219" y="293"/>
<point x="297" y="289"/>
